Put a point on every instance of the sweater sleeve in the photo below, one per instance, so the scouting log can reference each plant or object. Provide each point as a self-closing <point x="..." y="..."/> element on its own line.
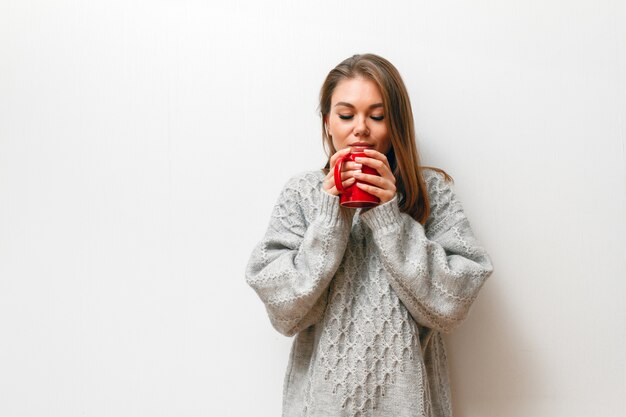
<point x="438" y="269"/>
<point x="292" y="267"/>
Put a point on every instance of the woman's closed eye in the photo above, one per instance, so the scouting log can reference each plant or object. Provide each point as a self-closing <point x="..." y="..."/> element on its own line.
<point x="349" y="116"/>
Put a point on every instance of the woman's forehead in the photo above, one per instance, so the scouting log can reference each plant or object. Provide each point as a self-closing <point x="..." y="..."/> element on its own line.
<point x="356" y="90"/>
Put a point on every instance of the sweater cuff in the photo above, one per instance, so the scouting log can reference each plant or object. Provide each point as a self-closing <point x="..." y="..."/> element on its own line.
<point x="383" y="216"/>
<point x="331" y="212"/>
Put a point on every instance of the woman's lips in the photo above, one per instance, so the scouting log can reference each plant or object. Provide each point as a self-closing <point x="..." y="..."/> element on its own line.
<point x="360" y="148"/>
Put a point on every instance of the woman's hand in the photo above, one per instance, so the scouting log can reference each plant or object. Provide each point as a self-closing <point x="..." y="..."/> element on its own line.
<point x="348" y="170"/>
<point x="383" y="187"/>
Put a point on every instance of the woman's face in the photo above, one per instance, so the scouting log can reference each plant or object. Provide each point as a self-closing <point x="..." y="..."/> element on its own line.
<point x="356" y="117"/>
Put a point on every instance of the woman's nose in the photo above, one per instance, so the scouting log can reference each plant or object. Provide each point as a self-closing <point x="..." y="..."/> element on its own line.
<point x="361" y="127"/>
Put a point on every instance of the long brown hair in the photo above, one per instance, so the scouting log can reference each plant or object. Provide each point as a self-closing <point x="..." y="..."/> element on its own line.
<point x="403" y="156"/>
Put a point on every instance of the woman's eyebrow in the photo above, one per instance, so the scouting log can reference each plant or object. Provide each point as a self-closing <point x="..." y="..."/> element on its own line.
<point x="343" y="103"/>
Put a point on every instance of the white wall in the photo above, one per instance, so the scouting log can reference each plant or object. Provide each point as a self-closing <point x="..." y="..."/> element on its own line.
<point x="143" y="145"/>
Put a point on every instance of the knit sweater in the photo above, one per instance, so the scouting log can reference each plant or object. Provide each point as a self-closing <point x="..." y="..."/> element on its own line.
<point x="367" y="294"/>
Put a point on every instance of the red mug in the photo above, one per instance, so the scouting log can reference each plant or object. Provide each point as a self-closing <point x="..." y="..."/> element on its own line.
<point x="353" y="196"/>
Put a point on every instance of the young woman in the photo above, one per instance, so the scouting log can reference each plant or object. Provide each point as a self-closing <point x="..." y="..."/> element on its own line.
<point x="368" y="291"/>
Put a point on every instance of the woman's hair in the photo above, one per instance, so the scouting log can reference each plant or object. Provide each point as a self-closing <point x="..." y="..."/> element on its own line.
<point x="403" y="156"/>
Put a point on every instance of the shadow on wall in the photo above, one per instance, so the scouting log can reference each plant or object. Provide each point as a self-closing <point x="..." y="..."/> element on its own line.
<point x="491" y="368"/>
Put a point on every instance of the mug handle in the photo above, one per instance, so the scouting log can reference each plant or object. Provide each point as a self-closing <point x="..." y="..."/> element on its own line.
<point x="337" y="173"/>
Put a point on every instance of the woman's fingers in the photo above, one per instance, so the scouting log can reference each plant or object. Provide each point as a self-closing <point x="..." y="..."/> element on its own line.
<point x="383" y="194"/>
<point x="378" y="162"/>
<point x="346" y="174"/>
<point x="346" y="183"/>
<point x="383" y="186"/>
<point x="330" y="187"/>
<point x="337" y="155"/>
<point x="376" y="180"/>
<point x="351" y="166"/>
<point x="373" y="153"/>
<point x="348" y="169"/>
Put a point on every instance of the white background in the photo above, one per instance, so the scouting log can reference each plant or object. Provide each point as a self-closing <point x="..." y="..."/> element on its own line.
<point x="144" y="143"/>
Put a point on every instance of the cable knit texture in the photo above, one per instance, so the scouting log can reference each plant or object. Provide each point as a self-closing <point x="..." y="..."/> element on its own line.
<point x="367" y="294"/>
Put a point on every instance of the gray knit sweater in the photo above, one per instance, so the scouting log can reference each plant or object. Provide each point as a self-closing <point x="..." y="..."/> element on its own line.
<point x="367" y="294"/>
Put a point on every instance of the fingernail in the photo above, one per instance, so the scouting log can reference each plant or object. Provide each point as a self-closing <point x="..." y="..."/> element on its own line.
<point x="359" y="166"/>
